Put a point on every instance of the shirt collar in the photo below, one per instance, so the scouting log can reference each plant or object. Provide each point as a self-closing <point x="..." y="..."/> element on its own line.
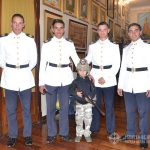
<point x="103" y="42"/>
<point x="136" y="42"/>
<point x="58" y="40"/>
<point x="16" y="36"/>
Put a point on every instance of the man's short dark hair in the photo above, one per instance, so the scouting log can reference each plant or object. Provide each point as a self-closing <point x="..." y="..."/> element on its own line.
<point x="17" y="15"/>
<point x="103" y="23"/>
<point x="58" y="21"/>
<point x="135" y="24"/>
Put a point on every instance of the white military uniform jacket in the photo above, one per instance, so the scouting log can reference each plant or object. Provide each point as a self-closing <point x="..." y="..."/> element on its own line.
<point x="17" y="50"/>
<point x="57" y="51"/>
<point x="135" y="55"/>
<point x="103" y="53"/>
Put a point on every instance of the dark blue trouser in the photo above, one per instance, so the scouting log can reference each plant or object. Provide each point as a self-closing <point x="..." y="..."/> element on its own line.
<point x="137" y="103"/>
<point x="11" y="110"/>
<point x="108" y="94"/>
<point x="71" y="106"/>
<point x="63" y="96"/>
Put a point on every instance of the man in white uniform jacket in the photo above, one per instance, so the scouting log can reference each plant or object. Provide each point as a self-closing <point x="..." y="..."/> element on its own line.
<point x="55" y="77"/>
<point x="105" y="58"/>
<point x="18" y="56"/>
<point x="134" y="81"/>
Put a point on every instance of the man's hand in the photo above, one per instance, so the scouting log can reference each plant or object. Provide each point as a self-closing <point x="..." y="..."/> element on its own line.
<point x="42" y="89"/>
<point x="148" y="93"/>
<point x="101" y="80"/>
<point x="91" y="78"/>
<point x="120" y="92"/>
<point x="79" y="94"/>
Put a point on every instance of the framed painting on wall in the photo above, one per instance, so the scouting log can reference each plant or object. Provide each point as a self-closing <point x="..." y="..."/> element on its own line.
<point x="110" y="8"/>
<point x="116" y="10"/>
<point x="95" y="13"/>
<point x="103" y="3"/>
<point x="70" y="7"/>
<point x="48" y="19"/>
<point x="111" y="26"/>
<point x="81" y="54"/>
<point x="78" y="34"/>
<point x="84" y="10"/>
<point x="117" y="33"/>
<point x="102" y="14"/>
<point x="144" y="21"/>
<point x="53" y="3"/>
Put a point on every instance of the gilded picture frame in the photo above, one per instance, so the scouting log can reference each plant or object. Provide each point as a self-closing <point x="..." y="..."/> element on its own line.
<point x="110" y="8"/>
<point x="84" y="9"/>
<point x="48" y="19"/>
<point x="115" y="10"/>
<point x="78" y="34"/>
<point x="95" y="10"/>
<point x="70" y="7"/>
<point x="57" y="4"/>
<point x="118" y="8"/>
<point x="123" y="10"/>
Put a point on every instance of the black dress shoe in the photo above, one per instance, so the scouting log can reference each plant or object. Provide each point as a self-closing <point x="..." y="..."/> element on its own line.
<point x="28" y="141"/>
<point x="127" y="137"/>
<point x="144" y="144"/>
<point x="11" y="142"/>
<point x="51" y="139"/>
<point x="67" y="138"/>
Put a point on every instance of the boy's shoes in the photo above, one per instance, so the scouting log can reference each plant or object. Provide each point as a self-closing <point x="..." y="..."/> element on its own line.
<point x="113" y="135"/>
<point x="51" y="139"/>
<point x="144" y="144"/>
<point x="28" y="141"/>
<point x="88" y="139"/>
<point x="78" y="138"/>
<point x="93" y="133"/>
<point x="11" y="142"/>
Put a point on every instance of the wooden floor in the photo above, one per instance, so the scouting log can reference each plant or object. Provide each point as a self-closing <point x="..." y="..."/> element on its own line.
<point x="100" y="141"/>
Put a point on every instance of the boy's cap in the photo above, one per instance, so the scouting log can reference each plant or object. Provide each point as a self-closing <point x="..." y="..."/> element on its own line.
<point x="83" y="65"/>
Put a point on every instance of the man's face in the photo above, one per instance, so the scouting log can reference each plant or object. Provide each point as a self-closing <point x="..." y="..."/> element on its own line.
<point x="134" y="33"/>
<point x="17" y="25"/>
<point x="103" y="31"/>
<point x="58" y="30"/>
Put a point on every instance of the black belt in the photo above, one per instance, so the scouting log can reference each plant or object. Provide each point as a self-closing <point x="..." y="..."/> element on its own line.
<point x="137" y="69"/>
<point x="58" y="65"/>
<point x="102" y="67"/>
<point x="18" y="67"/>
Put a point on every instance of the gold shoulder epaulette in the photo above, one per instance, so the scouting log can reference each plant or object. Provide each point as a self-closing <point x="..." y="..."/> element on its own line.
<point x="69" y="40"/>
<point x="2" y="35"/>
<point x="29" y="35"/>
<point x="47" y="40"/>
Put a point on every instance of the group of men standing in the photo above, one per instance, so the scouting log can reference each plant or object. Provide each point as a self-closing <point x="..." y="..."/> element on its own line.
<point x="18" y="56"/>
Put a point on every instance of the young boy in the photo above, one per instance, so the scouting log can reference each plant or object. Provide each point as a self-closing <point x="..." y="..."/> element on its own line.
<point x="82" y="89"/>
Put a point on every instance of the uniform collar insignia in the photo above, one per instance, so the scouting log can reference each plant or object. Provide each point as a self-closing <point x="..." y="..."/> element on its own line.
<point x="136" y="42"/>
